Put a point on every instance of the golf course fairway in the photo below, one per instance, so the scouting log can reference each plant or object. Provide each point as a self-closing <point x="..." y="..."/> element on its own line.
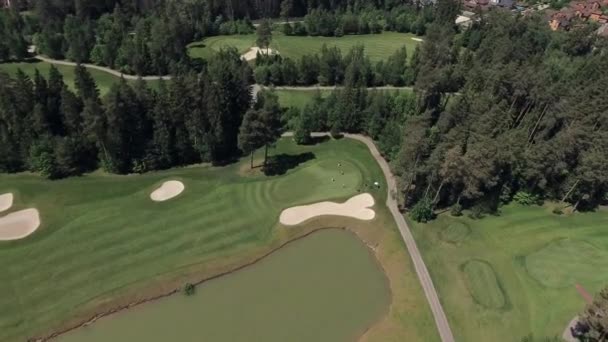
<point x="324" y="287"/>
<point x="103" y="245"/>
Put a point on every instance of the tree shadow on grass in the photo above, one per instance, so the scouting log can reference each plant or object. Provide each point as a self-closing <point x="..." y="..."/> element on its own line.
<point x="197" y="45"/>
<point x="281" y="163"/>
<point x="318" y="140"/>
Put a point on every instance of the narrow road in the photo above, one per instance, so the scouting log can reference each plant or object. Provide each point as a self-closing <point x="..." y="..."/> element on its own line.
<point x="423" y="274"/>
<point x="100" y="68"/>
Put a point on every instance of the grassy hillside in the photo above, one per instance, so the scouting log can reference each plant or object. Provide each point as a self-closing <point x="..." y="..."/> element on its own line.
<point x="377" y="46"/>
<point x="503" y="277"/>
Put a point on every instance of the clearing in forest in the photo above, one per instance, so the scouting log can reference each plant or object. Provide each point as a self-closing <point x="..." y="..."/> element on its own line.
<point x="377" y="46"/>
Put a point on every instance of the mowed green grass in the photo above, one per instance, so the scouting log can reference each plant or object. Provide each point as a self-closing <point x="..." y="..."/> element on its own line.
<point x="483" y="285"/>
<point x="377" y="46"/>
<point x="299" y="98"/>
<point x="563" y="262"/>
<point x="104" y="80"/>
<point x="101" y="235"/>
<point x="531" y="257"/>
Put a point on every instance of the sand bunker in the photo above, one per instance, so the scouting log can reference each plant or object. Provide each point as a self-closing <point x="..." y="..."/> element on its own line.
<point x="6" y="201"/>
<point x="418" y="39"/>
<point x="252" y="53"/>
<point x="167" y="191"/>
<point x="19" y="224"/>
<point x="357" y="207"/>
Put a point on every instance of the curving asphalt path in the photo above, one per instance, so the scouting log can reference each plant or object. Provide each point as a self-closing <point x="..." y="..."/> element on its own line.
<point x="104" y="69"/>
<point x="423" y="274"/>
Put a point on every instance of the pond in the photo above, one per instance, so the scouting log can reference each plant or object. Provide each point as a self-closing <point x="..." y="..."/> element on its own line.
<point x="325" y="287"/>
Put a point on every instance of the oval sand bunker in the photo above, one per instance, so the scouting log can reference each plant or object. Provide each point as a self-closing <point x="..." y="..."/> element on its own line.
<point x="6" y="201"/>
<point x="356" y="207"/>
<point x="167" y="191"/>
<point x="19" y="224"/>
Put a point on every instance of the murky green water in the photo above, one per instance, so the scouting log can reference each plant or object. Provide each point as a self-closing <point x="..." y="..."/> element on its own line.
<point x="326" y="287"/>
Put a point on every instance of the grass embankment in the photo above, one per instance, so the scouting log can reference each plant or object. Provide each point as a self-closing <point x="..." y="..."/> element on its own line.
<point x="503" y="277"/>
<point x="104" y="80"/>
<point x="103" y="243"/>
<point x="377" y="46"/>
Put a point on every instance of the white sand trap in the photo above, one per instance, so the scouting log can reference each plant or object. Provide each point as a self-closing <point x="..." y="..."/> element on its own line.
<point x="418" y="39"/>
<point x="167" y="191"/>
<point x="357" y="207"/>
<point x="252" y="53"/>
<point x="19" y="224"/>
<point x="6" y="201"/>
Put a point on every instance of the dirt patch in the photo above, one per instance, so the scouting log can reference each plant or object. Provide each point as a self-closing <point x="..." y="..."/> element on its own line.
<point x="6" y="201"/>
<point x="356" y="207"/>
<point x="167" y="191"/>
<point x="19" y="224"/>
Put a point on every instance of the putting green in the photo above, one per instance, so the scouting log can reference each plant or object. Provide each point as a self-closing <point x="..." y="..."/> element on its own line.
<point x="102" y="238"/>
<point x="455" y="232"/>
<point x="483" y="285"/>
<point x="329" y="281"/>
<point x="567" y="262"/>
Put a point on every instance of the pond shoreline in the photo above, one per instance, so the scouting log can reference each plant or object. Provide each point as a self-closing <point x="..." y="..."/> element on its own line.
<point x="91" y="319"/>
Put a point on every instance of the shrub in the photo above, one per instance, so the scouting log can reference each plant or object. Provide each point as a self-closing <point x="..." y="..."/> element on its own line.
<point x="299" y="29"/>
<point x="476" y="212"/>
<point x="339" y="32"/>
<point x="422" y="211"/>
<point x="335" y="131"/>
<point x="287" y="29"/>
<point x="189" y="289"/>
<point x="525" y="198"/>
<point x="456" y="210"/>
<point x="558" y="211"/>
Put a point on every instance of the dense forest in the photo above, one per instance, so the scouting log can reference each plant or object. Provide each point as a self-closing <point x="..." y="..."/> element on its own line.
<point x="47" y="128"/>
<point x="151" y="37"/>
<point x="506" y="110"/>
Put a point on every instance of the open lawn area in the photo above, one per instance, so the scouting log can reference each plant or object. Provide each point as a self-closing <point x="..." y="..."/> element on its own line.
<point x="502" y="277"/>
<point x="103" y="243"/>
<point x="103" y="79"/>
<point x="300" y="97"/>
<point x="377" y="46"/>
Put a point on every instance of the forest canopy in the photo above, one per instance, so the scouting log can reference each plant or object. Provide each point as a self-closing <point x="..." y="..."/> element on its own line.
<point x="505" y="110"/>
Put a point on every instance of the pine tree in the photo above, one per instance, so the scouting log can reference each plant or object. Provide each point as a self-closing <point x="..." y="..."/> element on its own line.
<point x="85" y="84"/>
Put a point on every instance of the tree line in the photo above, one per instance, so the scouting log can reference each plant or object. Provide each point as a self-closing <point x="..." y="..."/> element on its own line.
<point x="330" y="67"/>
<point x="144" y="37"/>
<point x="378" y="114"/>
<point x="528" y="120"/>
<point x="507" y="110"/>
<point x="369" y="20"/>
<point x="46" y="127"/>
